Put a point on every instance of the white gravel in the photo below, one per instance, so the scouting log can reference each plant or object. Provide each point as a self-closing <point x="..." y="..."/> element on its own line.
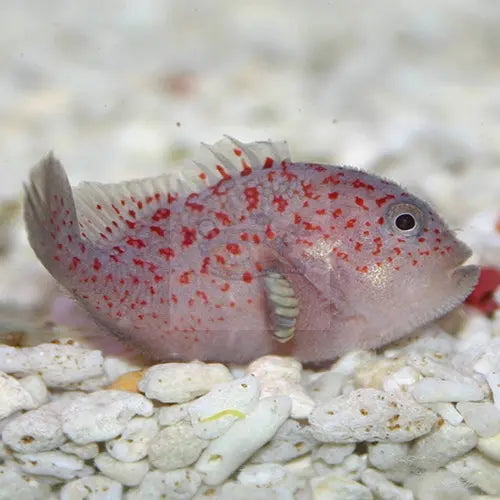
<point x="408" y="90"/>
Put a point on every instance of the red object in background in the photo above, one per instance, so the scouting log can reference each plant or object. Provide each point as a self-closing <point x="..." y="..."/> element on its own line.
<point x="482" y="296"/>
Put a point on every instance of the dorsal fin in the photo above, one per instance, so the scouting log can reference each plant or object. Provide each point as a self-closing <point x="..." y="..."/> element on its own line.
<point x="106" y="211"/>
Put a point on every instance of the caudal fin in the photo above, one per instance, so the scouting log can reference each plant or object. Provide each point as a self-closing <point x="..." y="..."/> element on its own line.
<point x="50" y="217"/>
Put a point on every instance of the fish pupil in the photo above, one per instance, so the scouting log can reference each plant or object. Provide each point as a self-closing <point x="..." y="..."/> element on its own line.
<point x="405" y="222"/>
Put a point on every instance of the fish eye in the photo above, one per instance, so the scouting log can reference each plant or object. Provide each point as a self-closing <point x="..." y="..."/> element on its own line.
<point x="405" y="218"/>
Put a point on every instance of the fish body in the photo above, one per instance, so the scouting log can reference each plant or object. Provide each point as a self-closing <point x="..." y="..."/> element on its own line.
<point x="178" y="266"/>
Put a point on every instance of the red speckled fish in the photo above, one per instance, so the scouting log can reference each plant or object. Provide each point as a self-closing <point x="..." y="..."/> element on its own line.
<point x="252" y="254"/>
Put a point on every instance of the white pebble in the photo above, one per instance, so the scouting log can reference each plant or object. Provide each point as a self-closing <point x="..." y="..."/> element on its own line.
<point x="92" y="488"/>
<point x="13" y="396"/>
<point x="291" y="441"/>
<point x="385" y="456"/>
<point x="332" y="487"/>
<point x="17" y="486"/>
<point x="370" y="415"/>
<point x="268" y="476"/>
<point x="35" y="385"/>
<point x="490" y="447"/>
<point x="133" y="443"/>
<point x="478" y="471"/>
<point x="35" y="431"/>
<point x="181" y="382"/>
<point x="179" y="484"/>
<point x="229" y="451"/>
<point x="349" y="363"/>
<point x="282" y="376"/>
<point x="212" y="414"/>
<point x="351" y="468"/>
<point x="51" y="463"/>
<point x="175" y="447"/>
<point x="14" y="360"/>
<point x="173" y="414"/>
<point x="493" y="379"/>
<point x="484" y="418"/>
<point x="333" y="453"/>
<point x="61" y="365"/>
<point x="236" y="491"/>
<point x="84" y="451"/>
<point x="434" y="390"/>
<point x="128" y="474"/>
<point x="439" y="485"/>
<point x="326" y="386"/>
<point x="115" y="367"/>
<point x="102" y="415"/>
<point x="447" y="411"/>
<point x="442" y="445"/>
<point x="382" y="488"/>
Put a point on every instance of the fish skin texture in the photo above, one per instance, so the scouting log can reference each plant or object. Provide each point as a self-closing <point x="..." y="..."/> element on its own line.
<point x="176" y="266"/>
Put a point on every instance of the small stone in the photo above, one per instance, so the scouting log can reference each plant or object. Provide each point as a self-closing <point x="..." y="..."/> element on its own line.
<point x="291" y="441"/>
<point x="490" y="447"/>
<point x="484" y="418"/>
<point x="175" y="447"/>
<point x="228" y="452"/>
<point x="370" y="415"/>
<point x="374" y="373"/>
<point x="17" y="486"/>
<point x="35" y="431"/>
<point x="351" y="468"/>
<point x="268" y="476"/>
<point x="180" y="484"/>
<point x="280" y="375"/>
<point x="326" y="387"/>
<point x="92" y="487"/>
<point x="237" y="491"/>
<point x="173" y="414"/>
<point x="493" y="379"/>
<point x="439" y="485"/>
<point x="102" y="415"/>
<point x="181" y="382"/>
<point x="134" y="441"/>
<point x="333" y="453"/>
<point x="128" y="474"/>
<point x="332" y="487"/>
<point x="35" y="385"/>
<point x="476" y="470"/>
<point x="14" y="360"/>
<point x="447" y="411"/>
<point x="13" y="396"/>
<point x="441" y="446"/>
<point x="61" y="365"/>
<point x="349" y="363"/>
<point x="382" y="488"/>
<point x="434" y="390"/>
<point x="51" y="463"/>
<point x="84" y="451"/>
<point x="385" y="456"/>
<point x="212" y="414"/>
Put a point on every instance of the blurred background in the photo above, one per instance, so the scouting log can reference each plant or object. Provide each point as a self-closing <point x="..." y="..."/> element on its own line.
<point x="121" y="89"/>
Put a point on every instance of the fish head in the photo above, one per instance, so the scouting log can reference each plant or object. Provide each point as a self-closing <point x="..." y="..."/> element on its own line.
<point x="392" y="263"/>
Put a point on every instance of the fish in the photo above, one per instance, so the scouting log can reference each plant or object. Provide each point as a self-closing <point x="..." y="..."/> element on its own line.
<point x="245" y="253"/>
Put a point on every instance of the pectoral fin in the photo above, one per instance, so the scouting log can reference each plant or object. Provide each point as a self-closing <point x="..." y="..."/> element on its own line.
<point x="283" y="306"/>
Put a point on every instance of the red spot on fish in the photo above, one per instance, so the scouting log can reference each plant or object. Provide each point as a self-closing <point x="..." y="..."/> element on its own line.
<point x="280" y="203"/>
<point x="139" y="205"/>
<point x="269" y="233"/>
<point x="361" y="203"/>
<point x="247" y="277"/>
<point x="380" y="220"/>
<point x="220" y="259"/>
<point x="247" y="170"/>
<point x="237" y="152"/>
<point x="202" y="295"/>
<point x="358" y="183"/>
<point x="188" y="236"/>
<point x="397" y="250"/>
<point x="195" y="207"/>
<point x="268" y="163"/>
<point x="333" y="195"/>
<point x="362" y="269"/>
<point x="421" y="240"/>
<point x="99" y="207"/>
<point x="97" y="264"/>
<point x="223" y="173"/>
<point x="212" y="233"/>
<point x="331" y="179"/>
<point x="132" y="213"/>
<point x="244" y="236"/>
<point x="321" y="211"/>
<point x="350" y="223"/>
<point x="256" y="238"/>
<point x="311" y="227"/>
<point x="135" y="242"/>
<point x="308" y="190"/>
<point x="251" y="197"/>
<point x="225" y="287"/>
<point x="224" y="218"/>
<point x="233" y="248"/>
<point x="158" y="230"/>
<point x="130" y="224"/>
<point x="186" y="277"/>
<point x="337" y="212"/>
<point x="161" y="214"/>
<point x="297" y="219"/>
<point x="202" y="176"/>
<point x="204" y="265"/>
<point x="384" y="199"/>
<point x="358" y="246"/>
<point x="74" y="263"/>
